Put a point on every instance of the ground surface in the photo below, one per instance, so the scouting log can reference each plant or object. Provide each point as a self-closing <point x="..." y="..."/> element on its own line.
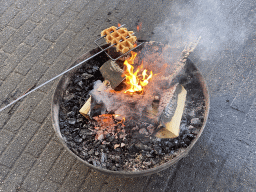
<point x="39" y="39"/>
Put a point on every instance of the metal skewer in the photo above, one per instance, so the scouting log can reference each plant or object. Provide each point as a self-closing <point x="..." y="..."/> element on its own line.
<point x="102" y="50"/>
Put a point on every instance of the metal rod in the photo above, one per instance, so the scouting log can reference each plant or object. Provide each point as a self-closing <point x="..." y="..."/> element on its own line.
<point x="21" y="97"/>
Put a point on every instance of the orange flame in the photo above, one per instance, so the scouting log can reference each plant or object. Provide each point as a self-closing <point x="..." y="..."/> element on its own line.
<point x="135" y="80"/>
<point x="119" y="25"/>
<point x="139" y="26"/>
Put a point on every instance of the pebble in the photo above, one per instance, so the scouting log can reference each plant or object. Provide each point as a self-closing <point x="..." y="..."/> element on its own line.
<point x="143" y="131"/>
<point x="196" y="121"/>
<point x="72" y="121"/>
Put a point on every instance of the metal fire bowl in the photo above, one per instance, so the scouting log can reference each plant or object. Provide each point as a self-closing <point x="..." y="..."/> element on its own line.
<point x="61" y="87"/>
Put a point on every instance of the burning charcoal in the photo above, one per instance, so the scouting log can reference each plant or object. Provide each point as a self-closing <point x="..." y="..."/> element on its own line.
<point x="86" y="76"/>
<point x="96" y="153"/>
<point x="71" y="114"/>
<point x="122" y="144"/>
<point x="91" y="152"/>
<point x="196" y="121"/>
<point x="116" y="146"/>
<point x="95" y="68"/>
<point x="80" y="83"/>
<point x="143" y="131"/>
<point x="89" y="71"/>
<point x="103" y="157"/>
<point x="140" y="146"/>
<point x="150" y="128"/>
<point x="84" y="154"/>
<point x="72" y="121"/>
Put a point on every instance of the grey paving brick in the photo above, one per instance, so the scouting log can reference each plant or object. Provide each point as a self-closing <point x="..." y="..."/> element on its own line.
<point x="40" y="30"/>
<point x="48" y="186"/>
<point x="18" y="143"/>
<point x="61" y="7"/>
<point x="82" y="40"/>
<point x="3" y="57"/>
<point x="58" y="47"/>
<point x="18" y="173"/>
<point x="58" y="28"/>
<point x="24" y="110"/>
<point x="248" y="172"/>
<point x="246" y="94"/>
<point x="3" y="118"/>
<point x="42" y="166"/>
<point x="7" y="16"/>
<point x="41" y="138"/>
<point x="84" y="16"/>
<point x="24" y="14"/>
<point x="61" y="167"/>
<point x="32" y="77"/>
<point x="43" y="10"/>
<point x="5" y="139"/>
<point x="27" y="63"/>
<point x="158" y="182"/>
<point x="93" y="181"/>
<point x="13" y="60"/>
<point x="79" y="5"/>
<point x="3" y="172"/>
<point x="123" y="8"/>
<point x="9" y="85"/>
<point x="58" y="67"/>
<point x="5" y="4"/>
<point x="21" y="3"/>
<point x="5" y="34"/>
<point x="43" y="108"/>
<point x="75" y="178"/>
<point x="19" y="36"/>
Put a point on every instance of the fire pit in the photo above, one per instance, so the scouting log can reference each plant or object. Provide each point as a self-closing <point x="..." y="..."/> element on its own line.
<point x="125" y="147"/>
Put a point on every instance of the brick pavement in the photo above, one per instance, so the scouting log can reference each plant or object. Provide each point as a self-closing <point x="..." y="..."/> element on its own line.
<point x="39" y="39"/>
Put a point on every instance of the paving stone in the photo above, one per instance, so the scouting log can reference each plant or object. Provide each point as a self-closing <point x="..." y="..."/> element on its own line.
<point x="5" y="138"/>
<point x="32" y="57"/>
<point x="61" y="7"/>
<point x="18" y="173"/>
<point x="61" y="167"/>
<point x="79" y="5"/>
<point x="24" y="14"/>
<point x="21" y="3"/>
<point x="58" y="67"/>
<point x="3" y="118"/>
<point x="40" y="30"/>
<point x="80" y="41"/>
<point x="248" y="173"/>
<point x="58" y="28"/>
<point x="58" y="47"/>
<point x="9" y="85"/>
<point x="31" y="79"/>
<point x="246" y="94"/>
<point x="19" y="36"/>
<point x="3" y="172"/>
<point x="43" y="10"/>
<point x="3" y="57"/>
<point x="5" y="34"/>
<point x="75" y="178"/>
<point x="48" y="185"/>
<point x="18" y="144"/>
<point x="23" y="111"/>
<point x="5" y="4"/>
<point x="93" y="181"/>
<point x="41" y="138"/>
<point x="42" y="166"/>
<point x="158" y="181"/>
<point x="13" y="60"/>
<point x="7" y="16"/>
<point x="84" y="16"/>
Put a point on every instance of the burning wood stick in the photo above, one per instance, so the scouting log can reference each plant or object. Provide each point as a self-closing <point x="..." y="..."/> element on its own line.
<point x="172" y="128"/>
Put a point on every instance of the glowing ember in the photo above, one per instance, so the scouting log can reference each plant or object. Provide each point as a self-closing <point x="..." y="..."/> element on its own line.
<point x="139" y="26"/>
<point x="135" y="80"/>
<point x="119" y="25"/>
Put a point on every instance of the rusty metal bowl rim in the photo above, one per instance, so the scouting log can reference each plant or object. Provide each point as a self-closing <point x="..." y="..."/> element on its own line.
<point x="55" y="120"/>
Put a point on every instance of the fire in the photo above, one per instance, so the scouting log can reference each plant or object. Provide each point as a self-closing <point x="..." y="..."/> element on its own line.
<point x="139" y="26"/>
<point x="119" y="25"/>
<point x="135" y="80"/>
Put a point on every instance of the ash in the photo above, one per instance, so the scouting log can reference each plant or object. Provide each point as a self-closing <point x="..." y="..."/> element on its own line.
<point x="129" y="146"/>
